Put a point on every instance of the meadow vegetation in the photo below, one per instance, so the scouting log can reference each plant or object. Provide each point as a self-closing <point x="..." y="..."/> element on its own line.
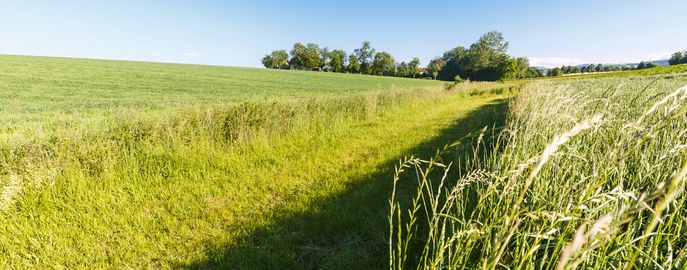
<point x="111" y="164"/>
<point x="114" y="164"/>
<point x="586" y="174"/>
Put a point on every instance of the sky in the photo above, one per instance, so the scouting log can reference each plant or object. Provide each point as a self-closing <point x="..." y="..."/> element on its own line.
<point x="240" y="33"/>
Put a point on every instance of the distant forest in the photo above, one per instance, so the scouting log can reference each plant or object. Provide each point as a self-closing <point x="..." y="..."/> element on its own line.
<point x="591" y="68"/>
<point x="678" y="58"/>
<point x="485" y="60"/>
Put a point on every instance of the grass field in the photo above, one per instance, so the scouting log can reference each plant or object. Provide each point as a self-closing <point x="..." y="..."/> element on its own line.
<point x="587" y="174"/>
<point x="110" y="164"/>
<point x="39" y="90"/>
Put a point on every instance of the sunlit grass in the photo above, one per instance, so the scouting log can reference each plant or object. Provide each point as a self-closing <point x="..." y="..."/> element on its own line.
<point x="107" y="164"/>
<point x="586" y="174"/>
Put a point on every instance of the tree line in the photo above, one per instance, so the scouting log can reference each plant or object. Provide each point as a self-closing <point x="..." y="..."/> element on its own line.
<point x="485" y="60"/>
<point x="591" y="68"/>
<point x="364" y="60"/>
<point x="678" y="58"/>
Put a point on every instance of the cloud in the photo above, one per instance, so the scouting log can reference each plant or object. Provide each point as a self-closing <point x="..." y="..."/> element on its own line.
<point x="550" y="62"/>
<point x="659" y="56"/>
<point x="193" y="54"/>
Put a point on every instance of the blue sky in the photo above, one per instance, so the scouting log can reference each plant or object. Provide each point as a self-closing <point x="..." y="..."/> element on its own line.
<point x="237" y="33"/>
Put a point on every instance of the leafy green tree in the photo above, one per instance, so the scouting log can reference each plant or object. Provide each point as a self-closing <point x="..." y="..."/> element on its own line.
<point x="487" y="59"/>
<point x="677" y="58"/>
<point x="523" y="66"/>
<point x="641" y="65"/>
<point x="554" y="72"/>
<point x="599" y="68"/>
<point x="591" y="68"/>
<point x="534" y="73"/>
<point x="492" y="43"/>
<point x="414" y="67"/>
<point x="298" y="56"/>
<point x="456" y="52"/>
<point x="313" y="58"/>
<point x="383" y="64"/>
<point x="507" y="68"/>
<point x="267" y="61"/>
<point x="326" y="56"/>
<point x="353" y="64"/>
<point x="337" y="61"/>
<point x="276" y="59"/>
<point x="365" y="56"/>
<point x="403" y="70"/>
<point x="435" y="66"/>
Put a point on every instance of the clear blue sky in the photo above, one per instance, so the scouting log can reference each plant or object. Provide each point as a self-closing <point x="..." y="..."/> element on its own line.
<point x="239" y="33"/>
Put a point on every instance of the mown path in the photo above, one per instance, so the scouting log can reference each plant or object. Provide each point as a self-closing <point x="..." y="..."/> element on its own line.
<point x="333" y="213"/>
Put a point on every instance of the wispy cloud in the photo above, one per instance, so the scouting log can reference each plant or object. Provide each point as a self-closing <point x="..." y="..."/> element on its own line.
<point x="554" y="61"/>
<point x="659" y="56"/>
<point x="193" y="54"/>
<point x="551" y="62"/>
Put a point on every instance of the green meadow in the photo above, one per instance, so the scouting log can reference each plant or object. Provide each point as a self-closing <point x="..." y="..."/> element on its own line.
<point x="113" y="164"/>
<point x="116" y="164"/>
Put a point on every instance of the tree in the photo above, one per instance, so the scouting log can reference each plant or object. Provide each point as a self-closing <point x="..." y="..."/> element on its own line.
<point x="435" y="66"/>
<point x="565" y="69"/>
<point x="313" y="58"/>
<point x="456" y="52"/>
<point x="677" y="58"/>
<point x="414" y="67"/>
<point x="276" y="59"/>
<point x="298" y="56"/>
<point x="487" y="59"/>
<point x="353" y="64"/>
<point x="492" y="42"/>
<point x="383" y="64"/>
<point x="599" y="68"/>
<point x="554" y="72"/>
<point x="523" y="65"/>
<point x="534" y="73"/>
<point x="403" y="70"/>
<point x="267" y="61"/>
<point x="325" y="55"/>
<point x="641" y="65"/>
<point x="337" y="61"/>
<point x="365" y="54"/>
<point x="591" y="68"/>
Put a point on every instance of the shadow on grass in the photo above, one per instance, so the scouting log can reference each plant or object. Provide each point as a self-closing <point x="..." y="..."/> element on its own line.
<point x="348" y="230"/>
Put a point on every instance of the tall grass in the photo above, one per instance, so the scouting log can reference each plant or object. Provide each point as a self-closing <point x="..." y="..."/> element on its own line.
<point x="130" y="134"/>
<point x="586" y="174"/>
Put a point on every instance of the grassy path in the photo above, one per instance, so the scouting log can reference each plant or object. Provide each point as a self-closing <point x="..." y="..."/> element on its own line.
<point x="306" y="200"/>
